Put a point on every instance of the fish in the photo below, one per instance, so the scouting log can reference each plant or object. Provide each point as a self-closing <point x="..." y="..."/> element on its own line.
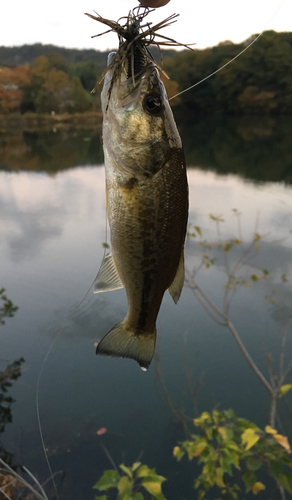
<point x="147" y="204"/>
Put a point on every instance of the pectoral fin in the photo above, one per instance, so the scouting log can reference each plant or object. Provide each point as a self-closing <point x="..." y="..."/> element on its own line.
<point x="178" y="282"/>
<point x="123" y="343"/>
<point x="107" y="278"/>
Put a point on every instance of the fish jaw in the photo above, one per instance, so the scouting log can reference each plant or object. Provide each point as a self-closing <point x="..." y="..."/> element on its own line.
<point x="137" y="143"/>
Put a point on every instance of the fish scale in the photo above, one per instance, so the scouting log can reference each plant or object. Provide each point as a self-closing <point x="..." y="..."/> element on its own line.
<point x="147" y="197"/>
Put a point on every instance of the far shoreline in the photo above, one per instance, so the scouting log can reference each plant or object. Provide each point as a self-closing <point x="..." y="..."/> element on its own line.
<point x="34" y="121"/>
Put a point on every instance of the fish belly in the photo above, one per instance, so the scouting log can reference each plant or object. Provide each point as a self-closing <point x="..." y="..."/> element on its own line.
<point x="148" y="225"/>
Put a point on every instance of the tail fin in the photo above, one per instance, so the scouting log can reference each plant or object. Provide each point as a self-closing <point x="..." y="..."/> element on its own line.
<point x="120" y="342"/>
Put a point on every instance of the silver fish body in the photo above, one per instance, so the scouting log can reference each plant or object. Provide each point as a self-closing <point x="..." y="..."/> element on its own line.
<point x="147" y="201"/>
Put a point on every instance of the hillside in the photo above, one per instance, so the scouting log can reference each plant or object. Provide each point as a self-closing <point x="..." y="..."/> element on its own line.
<point x="26" y="54"/>
<point x="45" y="78"/>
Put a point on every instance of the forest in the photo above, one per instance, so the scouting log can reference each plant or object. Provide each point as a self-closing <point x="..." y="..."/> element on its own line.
<point x="48" y="79"/>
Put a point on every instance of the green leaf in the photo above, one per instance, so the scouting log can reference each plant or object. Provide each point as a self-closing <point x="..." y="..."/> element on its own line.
<point x="258" y="486"/>
<point x="216" y="218"/>
<point x="137" y="496"/>
<point x="152" y="484"/>
<point x="219" y="478"/>
<point x="229" y="414"/>
<point x="218" y="416"/>
<point x="227" y="247"/>
<point x="270" y="430"/>
<point x="249" y="477"/>
<point x="125" y="488"/>
<point x="198" y="229"/>
<point x="135" y="466"/>
<point x="235" y="458"/>
<point x="287" y="461"/>
<point x="178" y="453"/>
<point x="201" y="494"/>
<point x="226" y="463"/>
<point x="275" y="469"/>
<point x="253" y="464"/>
<point x="210" y="433"/>
<point x="254" y="277"/>
<point x="143" y="471"/>
<point x="195" y="448"/>
<point x="285" y="388"/>
<point x="285" y="480"/>
<point x="127" y="470"/>
<point x="101" y="498"/>
<point x="233" y="446"/>
<point x="108" y="480"/>
<point x="249" y="438"/>
<point x="226" y="433"/>
<point x="200" y="420"/>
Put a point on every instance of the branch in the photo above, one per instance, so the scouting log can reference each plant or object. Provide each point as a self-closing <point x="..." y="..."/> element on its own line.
<point x="249" y="358"/>
<point x="236" y="336"/>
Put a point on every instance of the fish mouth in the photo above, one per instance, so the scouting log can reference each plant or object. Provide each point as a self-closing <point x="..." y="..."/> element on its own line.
<point x="130" y="63"/>
<point x="123" y="84"/>
<point x="132" y="69"/>
<point x="128" y="92"/>
<point x="136" y="58"/>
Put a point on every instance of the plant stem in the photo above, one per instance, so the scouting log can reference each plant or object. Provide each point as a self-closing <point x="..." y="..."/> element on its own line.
<point x="273" y="409"/>
<point x="236" y="337"/>
<point x="249" y="358"/>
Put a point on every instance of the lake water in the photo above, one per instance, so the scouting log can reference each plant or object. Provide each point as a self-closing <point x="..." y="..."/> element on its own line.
<point x="52" y="230"/>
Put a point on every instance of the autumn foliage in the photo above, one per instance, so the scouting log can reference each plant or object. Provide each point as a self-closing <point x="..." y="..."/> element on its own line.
<point x="257" y="82"/>
<point x="44" y="87"/>
<point x="11" y="83"/>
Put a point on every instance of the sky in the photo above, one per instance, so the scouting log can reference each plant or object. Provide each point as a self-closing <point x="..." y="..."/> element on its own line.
<point x="204" y="22"/>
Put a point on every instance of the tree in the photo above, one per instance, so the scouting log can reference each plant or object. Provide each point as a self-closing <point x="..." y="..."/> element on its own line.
<point x="11" y="83"/>
<point x="87" y="72"/>
<point x="233" y="453"/>
<point x="58" y="61"/>
<point x="52" y="89"/>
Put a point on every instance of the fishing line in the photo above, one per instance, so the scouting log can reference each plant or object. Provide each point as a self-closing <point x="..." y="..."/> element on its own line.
<point x="74" y="311"/>
<point x="38" y="386"/>
<point x="235" y="57"/>
<point x="41" y="371"/>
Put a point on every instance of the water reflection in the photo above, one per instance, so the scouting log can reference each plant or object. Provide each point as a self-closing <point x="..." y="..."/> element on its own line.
<point x="49" y="150"/>
<point x="37" y="208"/>
<point x="51" y="232"/>
<point x="256" y="148"/>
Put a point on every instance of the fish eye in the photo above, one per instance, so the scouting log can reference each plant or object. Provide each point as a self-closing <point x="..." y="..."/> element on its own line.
<point x="153" y="104"/>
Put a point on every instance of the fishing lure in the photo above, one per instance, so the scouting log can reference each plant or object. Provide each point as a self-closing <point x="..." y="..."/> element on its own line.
<point x="134" y="40"/>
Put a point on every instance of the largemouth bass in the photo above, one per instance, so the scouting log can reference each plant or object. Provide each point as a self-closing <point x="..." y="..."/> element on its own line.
<point x="147" y="203"/>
